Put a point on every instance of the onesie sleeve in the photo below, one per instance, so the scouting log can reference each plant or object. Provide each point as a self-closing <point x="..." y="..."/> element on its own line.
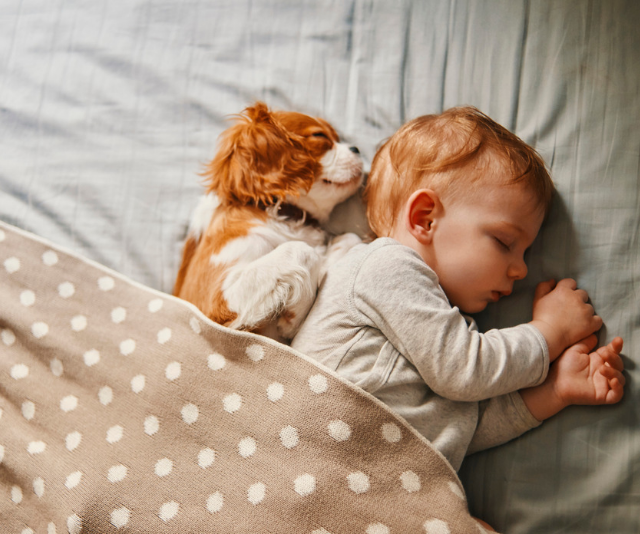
<point x="501" y="419"/>
<point x="395" y="291"/>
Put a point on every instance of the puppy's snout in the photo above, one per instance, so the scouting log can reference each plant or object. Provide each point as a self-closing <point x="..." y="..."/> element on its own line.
<point x="354" y="149"/>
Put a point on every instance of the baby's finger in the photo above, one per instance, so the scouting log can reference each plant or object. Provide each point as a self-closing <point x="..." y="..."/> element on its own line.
<point x="587" y="344"/>
<point x="612" y="374"/>
<point x="617" y="343"/>
<point x="544" y="288"/>
<point x="611" y="358"/>
<point x="582" y="294"/>
<point x="568" y="282"/>
<point x="616" y="392"/>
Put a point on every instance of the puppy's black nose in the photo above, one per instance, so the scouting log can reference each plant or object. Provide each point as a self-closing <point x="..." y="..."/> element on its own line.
<point x="354" y="149"/>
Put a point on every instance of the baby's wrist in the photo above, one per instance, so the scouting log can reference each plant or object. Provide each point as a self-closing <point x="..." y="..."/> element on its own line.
<point x="554" y="341"/>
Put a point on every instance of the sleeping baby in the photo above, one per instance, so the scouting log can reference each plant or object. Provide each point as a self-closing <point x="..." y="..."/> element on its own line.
<point x="455" y="200"/>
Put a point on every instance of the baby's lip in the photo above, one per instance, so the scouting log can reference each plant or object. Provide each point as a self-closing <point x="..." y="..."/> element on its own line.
<point x="497" y="295"/>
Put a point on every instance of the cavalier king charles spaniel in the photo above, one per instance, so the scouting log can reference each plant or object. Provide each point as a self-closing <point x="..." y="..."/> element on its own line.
<point x="256" y="250"/>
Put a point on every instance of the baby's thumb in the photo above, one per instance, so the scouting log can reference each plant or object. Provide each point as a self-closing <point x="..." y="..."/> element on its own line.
<point x="544" y="288"/>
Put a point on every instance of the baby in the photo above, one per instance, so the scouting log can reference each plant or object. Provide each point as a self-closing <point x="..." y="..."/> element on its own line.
<point x="455" y="200"/>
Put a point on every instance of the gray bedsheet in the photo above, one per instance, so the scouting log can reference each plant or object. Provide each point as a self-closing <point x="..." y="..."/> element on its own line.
<point x="110" y="108"/>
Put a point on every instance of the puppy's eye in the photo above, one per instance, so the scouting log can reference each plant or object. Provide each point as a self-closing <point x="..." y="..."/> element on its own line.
<point x="320" y="134"/>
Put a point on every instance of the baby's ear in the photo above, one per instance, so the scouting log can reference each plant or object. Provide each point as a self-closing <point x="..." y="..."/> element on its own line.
<point x="421" y="211"/>
<point x="253" y="158"/>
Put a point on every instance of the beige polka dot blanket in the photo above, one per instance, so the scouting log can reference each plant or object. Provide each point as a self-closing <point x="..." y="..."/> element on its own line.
<point x="123" y="409"/>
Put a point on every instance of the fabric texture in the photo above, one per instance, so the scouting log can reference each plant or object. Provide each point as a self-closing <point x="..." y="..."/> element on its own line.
<point x="382" y="321"/>
<point x="110" y="109"/>
<point x="126" y="410"/>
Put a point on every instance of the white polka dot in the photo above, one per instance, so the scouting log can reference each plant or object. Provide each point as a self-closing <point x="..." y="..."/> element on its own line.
<point x="49" y="258"/>
<point x="410" y="481"/>
<point x="206" y="457"/>
<point x="151" y="425"/>
<point x="56" y="367"/>
<point x="105" y="395"/>
<point x="12" y="265"/>
<point x="114" y="434"/>
<point x="305" y="485"/>
<point x="16" y="494"/>
<point x="117" y="473"/>
<point x="1" y="453"/>
<point x="377" y="528"/>
<point x="28" y="410"/>
<point x="358" y="482"/>
<point x="232" y="403"/>
<point x="195" y="325"/>
<point x="436" y="526"/>
<point x="127" y="347"/>
<point x="120" y="517"/>
<point x="169" y="510"/>
<point x="36" y="447"/>
<point x="39" y="329"/>
<point x="38" y="487"/>
<point x="73" y="440"/>
<point x="51" y="528"/>
<point x="216" y="361"/>
<point x="190" y="413"/>
<point x="318" y="383"/>
<point x="339" y="430"/>
<point x="164" y="335"/>
<point x="27" y="530"/>
<point x="173" y="371"/>
<point x="66" y="290"/>
<point x="255" y="353"/>
<point x="27" y="298"/>
<point x="163" y="467"/>
<point x="275" y="392"/>
<point x="78" y="323"/>
<point x="289" y="437"/>
<point x="69" y="403"/>
<point x="321" y="531"/>
<point x="8" y="337"/>
<point x="155" y="305"/>
<point x="215" y="502"/>
<point x="256" y="493"/>
<point x="247" y="447"/>
<point x="137" y="383"/>
<point x="73" y="479"/>
<point x="106" y="283"/>
<point x="74" y="524"/>
<point x="118" y="315"/>
<point x="391" y="432"/>
<point x="456" y="490"/>
<point x="19" y="371"/>
<point x="91" y="357"/>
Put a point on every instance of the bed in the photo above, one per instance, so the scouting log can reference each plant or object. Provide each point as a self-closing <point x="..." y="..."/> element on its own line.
<point x="109" y="111"/>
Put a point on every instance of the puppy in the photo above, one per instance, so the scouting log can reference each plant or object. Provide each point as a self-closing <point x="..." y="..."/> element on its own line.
<point x="256" y="250"/>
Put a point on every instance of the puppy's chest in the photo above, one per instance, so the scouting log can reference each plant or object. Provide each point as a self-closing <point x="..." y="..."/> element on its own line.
<point x="264" y="236"/>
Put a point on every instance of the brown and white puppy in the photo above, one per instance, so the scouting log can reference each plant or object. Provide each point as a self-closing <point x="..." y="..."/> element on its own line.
<point x="256" y="249"/>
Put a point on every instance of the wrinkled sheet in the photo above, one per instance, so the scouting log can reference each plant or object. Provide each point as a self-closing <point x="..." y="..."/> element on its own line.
<point x="110" y="109"/>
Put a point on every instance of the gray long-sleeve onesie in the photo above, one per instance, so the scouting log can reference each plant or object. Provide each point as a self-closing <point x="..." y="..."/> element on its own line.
<point x="383" y="322"/>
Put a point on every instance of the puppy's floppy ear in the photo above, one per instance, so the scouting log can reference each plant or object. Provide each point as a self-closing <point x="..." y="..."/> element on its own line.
<point x="259" y="161"/>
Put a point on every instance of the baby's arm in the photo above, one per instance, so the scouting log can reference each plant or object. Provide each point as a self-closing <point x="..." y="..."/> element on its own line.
<point x="563" y="315"/>
<point x="579" y="377"/>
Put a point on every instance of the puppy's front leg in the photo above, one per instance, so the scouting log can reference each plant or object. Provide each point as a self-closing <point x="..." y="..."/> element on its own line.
<point x="281" y="283"/>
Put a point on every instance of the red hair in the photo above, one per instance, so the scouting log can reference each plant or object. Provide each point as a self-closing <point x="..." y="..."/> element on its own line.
<point x="450" y="153"/>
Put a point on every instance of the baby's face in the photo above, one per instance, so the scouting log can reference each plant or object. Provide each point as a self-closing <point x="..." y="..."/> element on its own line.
<point x="480" y="241"/>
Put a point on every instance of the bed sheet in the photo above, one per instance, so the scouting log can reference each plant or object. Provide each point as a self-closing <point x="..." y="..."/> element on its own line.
<point x="109" y="110"/>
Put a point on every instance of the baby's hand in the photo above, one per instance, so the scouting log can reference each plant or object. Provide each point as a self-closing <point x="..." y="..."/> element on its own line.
<point x="563" y="315"/>
<point x="581" y="377"/>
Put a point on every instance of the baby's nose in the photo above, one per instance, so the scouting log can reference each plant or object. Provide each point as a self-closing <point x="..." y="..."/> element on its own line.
<point x="354" y="149"/>
<point x="518" y="270"/>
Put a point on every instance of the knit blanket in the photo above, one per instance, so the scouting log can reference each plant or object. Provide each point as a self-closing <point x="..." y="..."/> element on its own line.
<point x="123" y="409"/>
